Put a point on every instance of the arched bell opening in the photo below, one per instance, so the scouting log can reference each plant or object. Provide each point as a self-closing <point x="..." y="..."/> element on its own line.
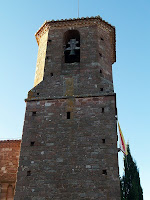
<point x="72" y="46"/>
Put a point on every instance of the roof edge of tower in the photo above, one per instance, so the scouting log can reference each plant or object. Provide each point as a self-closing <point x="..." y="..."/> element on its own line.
<point x="6" y="143"/>
<point x="47" y="24"/>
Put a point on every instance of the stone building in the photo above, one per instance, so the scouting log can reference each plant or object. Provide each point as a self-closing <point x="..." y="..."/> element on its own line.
<point x="9" y="157"/>
<point x="69" y="144"/>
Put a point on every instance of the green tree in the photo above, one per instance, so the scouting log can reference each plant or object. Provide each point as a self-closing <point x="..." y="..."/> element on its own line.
<point x="130" y="182"/>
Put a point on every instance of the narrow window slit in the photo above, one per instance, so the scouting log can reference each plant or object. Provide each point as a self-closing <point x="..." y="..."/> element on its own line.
<point x="103" y="140"/>
<point x="28" y="173"/>
<point x="68" y="115"/>
<point x="100" y="71"/>
<point x="49" y="40"/>
<point x="102" y="110"/>
<point x="102" y="39"/>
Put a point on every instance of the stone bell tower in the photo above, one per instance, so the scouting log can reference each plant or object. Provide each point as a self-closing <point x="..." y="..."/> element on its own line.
<point x="69" y="144"/>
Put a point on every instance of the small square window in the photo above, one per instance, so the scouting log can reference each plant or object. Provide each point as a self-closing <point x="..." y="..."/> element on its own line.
<point x="34" y="113"/>
<point x="102" y="39"/>
<point x="104" y="172"/>
<point x="32" y="143"/>
<point x="38" y="93"/>
<point x="100" y="54"/>
<point x="52" y="74"/>
<point x="101" y="89"/>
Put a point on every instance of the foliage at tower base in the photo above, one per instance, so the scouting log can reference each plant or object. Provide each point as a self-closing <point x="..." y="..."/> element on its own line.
<point x="130" y="182"/>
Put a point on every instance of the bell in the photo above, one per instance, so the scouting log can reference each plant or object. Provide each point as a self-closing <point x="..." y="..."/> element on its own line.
<point x="72" y="52"/>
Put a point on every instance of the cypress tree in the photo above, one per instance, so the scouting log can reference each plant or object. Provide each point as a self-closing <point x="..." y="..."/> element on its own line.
<point x="130" y="182"/>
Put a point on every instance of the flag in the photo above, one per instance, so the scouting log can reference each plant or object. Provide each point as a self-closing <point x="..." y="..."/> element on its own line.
<point x="123" y="147"/>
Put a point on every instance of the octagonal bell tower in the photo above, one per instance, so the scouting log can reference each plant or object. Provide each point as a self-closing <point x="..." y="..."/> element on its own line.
<point x="69" y="144"/>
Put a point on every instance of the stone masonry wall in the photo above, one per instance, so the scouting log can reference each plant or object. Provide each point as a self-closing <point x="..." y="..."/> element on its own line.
<point x="93" y="73"/>
<point x="9" y="157"/>
<point x="71" y="158"/>
<point x="41" y="59"/>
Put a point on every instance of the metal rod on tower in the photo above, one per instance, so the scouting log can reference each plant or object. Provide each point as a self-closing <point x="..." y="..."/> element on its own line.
<point x="78" y="8"/>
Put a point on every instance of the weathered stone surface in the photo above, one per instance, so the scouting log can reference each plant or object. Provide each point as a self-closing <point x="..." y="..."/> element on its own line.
<point x="70" y="126"/>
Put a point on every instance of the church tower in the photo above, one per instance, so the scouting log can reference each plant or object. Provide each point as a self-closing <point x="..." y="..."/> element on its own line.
<point x="69" y="144"/>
